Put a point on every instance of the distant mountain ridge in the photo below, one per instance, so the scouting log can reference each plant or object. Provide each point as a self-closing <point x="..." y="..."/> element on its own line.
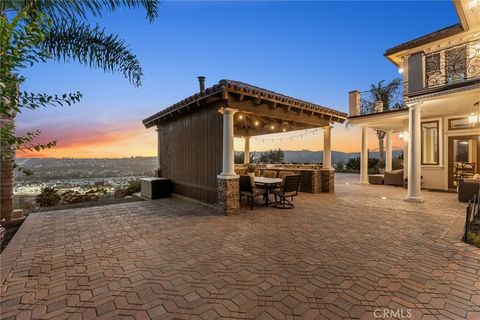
<point x="305" y="156"/>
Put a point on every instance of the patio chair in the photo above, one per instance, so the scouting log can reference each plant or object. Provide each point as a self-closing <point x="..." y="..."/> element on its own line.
<point x="289" y="188"/>
<point x="270" y="174"/>
<point x="282" y="174"/>
<point x="248" y="189"/>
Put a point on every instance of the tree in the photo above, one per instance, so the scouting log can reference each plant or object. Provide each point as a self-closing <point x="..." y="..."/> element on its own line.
<point x="272" y="156"/>
<point x="37" y="30"/>
<point x="383" y="97"/>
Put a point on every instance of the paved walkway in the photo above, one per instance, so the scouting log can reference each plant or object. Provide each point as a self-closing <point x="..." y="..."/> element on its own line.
<point x="347" y="255"/>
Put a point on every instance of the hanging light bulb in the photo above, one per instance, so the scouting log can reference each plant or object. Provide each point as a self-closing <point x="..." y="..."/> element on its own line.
<point x="473" y="118"/>
<point x="272" y="127"/>
<point x="240" y="117"/>
<point x="256" y="123"/>
<point x="284" y="129"/>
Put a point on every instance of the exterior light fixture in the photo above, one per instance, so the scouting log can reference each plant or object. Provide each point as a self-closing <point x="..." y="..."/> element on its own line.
<point x="472" y="4"/>
<point x="473" y="118"/>
<point x="256" y="123"/>
<point x="272" y="127"/>
<point x="400" y="70"/>
<point x="284" y="129"/>
<point x="240" y="117"/>
<point x="401" y="135"/>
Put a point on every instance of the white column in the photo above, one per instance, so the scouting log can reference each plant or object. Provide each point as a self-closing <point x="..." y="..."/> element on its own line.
<point x="388" y="152"/>
<point x="246" y="152"/>
<point x="414" y="154"/>
<point x="364" y="157"/>
<point x="327" y="147"/>
<point x="228" y="151"/>
<point x="158" y="148"/>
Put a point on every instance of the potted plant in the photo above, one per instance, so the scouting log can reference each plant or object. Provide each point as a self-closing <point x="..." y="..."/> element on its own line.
<point x="251" y="170"/>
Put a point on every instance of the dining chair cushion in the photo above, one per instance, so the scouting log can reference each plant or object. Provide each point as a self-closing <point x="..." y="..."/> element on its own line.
<point x="282" y="174"/>
<point x="269" y="174"/>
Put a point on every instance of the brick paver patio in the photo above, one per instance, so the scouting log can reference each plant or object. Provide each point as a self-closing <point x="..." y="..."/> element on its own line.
<point x="346" y="255"/>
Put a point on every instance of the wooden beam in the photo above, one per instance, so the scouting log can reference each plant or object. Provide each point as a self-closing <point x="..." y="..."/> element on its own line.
<point x="264" y="111"/>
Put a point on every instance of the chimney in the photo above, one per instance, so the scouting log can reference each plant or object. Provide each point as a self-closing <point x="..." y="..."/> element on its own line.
<point x="201" y="82"/>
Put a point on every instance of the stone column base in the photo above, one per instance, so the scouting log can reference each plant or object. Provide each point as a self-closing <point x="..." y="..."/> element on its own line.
<point x="327" y="179"/>
<point x="228" y="197"/>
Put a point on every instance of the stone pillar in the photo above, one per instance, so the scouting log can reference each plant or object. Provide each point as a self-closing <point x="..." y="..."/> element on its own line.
<point x="414" y="154"/>
<point x="388" y="152"/>
<point x="158" y="170"/>
<point x="364" y="157"/>
<point x="327" y="179"/>
<point x="228" y="201"/>
<point x="246" y="152"/>
<point x="354" y="103"/>
<point x="327" y="147"/>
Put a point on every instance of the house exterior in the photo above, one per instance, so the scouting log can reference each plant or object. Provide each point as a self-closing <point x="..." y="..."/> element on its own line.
<point x="439" y="121"/>
<point x="196" y="137"/>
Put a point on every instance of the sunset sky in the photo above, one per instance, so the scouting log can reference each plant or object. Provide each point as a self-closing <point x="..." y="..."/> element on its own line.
<point x="315" y="51"/>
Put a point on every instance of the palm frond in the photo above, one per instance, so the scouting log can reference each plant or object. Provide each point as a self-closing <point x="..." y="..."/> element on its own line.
<point x="94" y="48"/>
<point x="73" y="9"/>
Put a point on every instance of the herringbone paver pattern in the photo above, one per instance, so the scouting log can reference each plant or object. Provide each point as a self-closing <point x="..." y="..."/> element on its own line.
<point x="348" y="255"/>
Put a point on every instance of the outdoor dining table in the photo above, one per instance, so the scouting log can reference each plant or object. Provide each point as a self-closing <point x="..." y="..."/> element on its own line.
<point x="267" y="184"/>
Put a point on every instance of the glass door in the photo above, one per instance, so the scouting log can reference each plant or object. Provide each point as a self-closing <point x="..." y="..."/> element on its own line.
<point x="463" y="158"/>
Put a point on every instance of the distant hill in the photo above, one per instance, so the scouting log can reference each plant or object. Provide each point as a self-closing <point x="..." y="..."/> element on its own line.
<point x="308" y="156"/>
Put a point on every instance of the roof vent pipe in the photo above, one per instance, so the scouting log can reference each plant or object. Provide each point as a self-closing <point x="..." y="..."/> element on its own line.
<point x="201" y="82"/>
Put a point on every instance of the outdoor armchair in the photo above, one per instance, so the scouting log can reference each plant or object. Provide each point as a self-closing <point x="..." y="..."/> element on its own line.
<point x="288" y="189"/>
<point x="394" y="178"/>
<point x="248" y="189"/>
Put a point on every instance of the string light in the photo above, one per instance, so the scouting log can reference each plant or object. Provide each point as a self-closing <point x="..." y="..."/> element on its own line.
<point x="301" y="135"/>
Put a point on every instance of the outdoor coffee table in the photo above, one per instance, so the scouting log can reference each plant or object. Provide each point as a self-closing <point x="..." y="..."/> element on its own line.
<point x="267" y="184"/>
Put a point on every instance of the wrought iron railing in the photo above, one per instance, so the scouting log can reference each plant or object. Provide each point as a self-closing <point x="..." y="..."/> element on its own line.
<point x="452" y="65"/>
<point x="373" y="102"/>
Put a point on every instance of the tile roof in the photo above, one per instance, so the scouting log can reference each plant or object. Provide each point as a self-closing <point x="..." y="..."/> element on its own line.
<point x="434" y="36"/>
<point x="247" y="89"/>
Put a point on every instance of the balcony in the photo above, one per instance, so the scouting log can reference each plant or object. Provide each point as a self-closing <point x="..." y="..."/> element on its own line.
<point x="445" y="69"/>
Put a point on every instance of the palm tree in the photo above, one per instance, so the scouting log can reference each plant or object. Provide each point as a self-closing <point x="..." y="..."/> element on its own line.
<point x="384" y="97"/>
<point x="56" y="29"/>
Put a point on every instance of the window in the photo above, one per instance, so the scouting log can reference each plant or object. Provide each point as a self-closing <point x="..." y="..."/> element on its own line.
<point x="456" y="64"/>
<point x="460" y="124"/>
<point x="430" y="138"/>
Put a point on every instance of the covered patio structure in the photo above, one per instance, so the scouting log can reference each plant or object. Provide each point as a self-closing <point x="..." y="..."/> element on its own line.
<point x="196" y="136"/>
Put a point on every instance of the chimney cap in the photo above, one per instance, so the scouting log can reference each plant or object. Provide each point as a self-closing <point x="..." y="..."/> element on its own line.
<point x="201" y="78"/>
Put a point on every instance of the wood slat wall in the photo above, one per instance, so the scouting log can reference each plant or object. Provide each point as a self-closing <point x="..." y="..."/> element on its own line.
<point x="191" y="153"/>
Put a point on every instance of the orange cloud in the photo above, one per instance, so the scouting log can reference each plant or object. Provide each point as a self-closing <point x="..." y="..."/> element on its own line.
<point x="104" y="141"/>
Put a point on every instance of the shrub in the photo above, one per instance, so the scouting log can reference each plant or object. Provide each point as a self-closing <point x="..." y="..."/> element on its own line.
<point x="48" y="197"/>
<point x="133" y="187"/>
<point x="474" y="238"/>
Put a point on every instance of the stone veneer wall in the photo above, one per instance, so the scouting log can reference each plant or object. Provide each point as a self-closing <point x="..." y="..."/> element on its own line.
<point x="228" y="201"/>
<point x="327" y="180"/>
